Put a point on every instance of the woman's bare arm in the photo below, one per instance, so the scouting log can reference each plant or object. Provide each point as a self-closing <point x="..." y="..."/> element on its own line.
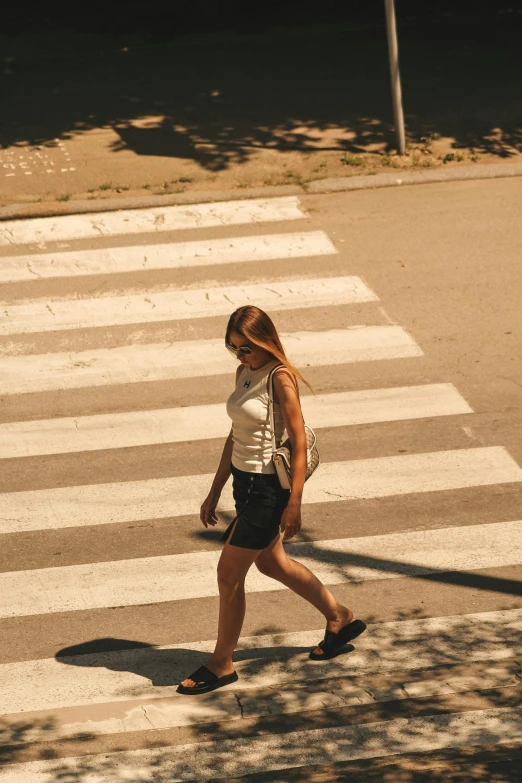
<point x="285" y="393"/>
<point x="223" y="470"/>
<point x="208" y="509"/>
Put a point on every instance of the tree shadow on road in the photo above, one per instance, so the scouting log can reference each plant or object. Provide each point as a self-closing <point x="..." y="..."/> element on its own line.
<point x="385" y="665"/>
<point x="220" y="103"/>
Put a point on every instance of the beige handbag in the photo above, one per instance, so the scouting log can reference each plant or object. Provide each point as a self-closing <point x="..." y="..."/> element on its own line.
<point x="282" y="455"/>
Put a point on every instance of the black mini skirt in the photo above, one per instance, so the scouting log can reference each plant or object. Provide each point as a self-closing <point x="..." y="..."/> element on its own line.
<point x="260" y="502"/>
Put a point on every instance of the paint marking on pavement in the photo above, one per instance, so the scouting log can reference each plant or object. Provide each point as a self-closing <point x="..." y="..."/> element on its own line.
<point x="193" y="574"/>
<point x="168" y="498"/>
<point x="170" y="256"/>
<point x="396" y="648"/>
<point x="250" y="755"/>
<point x="141" y="221"/>
<point x="180" y="304"/>
<point x="197" y="358"/>
<point x="192" y="359"/>
<point x="97" y="678"/>
<point x="202" y="422"/>
<point x="160" y="711"/>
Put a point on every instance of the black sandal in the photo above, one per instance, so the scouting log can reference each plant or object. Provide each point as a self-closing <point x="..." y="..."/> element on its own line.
<point x="333" y="643"/>
<point x="206" y="681"/>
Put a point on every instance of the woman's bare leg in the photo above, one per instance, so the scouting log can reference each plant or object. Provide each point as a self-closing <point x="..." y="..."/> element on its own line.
<point x="232" y="569"/>
<point x="274" y="562"/>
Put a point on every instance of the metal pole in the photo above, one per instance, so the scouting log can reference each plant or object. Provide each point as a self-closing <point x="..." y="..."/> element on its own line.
<point x="393" y="51"/>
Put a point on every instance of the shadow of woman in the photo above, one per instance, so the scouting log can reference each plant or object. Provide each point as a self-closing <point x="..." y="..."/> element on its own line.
<point x="164" y="667"/>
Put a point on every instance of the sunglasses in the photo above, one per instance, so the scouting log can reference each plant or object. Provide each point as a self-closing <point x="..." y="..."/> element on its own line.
<point x="243" y="349"/>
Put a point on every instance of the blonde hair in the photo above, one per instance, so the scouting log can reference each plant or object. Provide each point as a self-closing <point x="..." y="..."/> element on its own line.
<point x="254" y="324"/>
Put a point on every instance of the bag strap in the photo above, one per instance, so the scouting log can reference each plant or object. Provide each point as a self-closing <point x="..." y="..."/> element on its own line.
<point x="271" y="403"/>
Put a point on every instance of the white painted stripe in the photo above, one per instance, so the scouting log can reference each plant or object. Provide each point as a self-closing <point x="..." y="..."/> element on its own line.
<point x="141" y="221"/>
<point x="192" y="575"/>
<point x="192" y="359"/>
<point x="132" y="501"/>
<point x="202" y="422"/>
<point x="172" y="256"/>
<point x="113" y="677"/>
<point x="289" y="697"/>
<point x="261" y="753"/>
<point x="180" y="304"/>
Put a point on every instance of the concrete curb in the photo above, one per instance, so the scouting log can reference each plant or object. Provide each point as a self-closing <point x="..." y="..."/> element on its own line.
<point x="330" y="185"/>
<point x="388" y="180"/>
<point x="52" y="209"/>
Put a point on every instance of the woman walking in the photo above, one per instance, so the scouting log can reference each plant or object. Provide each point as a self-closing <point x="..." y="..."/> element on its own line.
<point x="263" y="508"/>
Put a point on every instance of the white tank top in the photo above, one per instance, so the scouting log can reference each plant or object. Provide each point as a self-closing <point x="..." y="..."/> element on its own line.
<point x="247" y="406"/>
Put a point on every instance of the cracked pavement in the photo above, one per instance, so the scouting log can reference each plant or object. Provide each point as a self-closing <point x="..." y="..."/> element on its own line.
<point x="444" y="261"/>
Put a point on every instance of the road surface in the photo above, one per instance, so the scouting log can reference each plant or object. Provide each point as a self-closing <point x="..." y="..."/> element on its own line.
<point x="402" y="309"/>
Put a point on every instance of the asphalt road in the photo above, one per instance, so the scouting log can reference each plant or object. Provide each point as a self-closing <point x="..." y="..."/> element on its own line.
<point x="402" y="308"/>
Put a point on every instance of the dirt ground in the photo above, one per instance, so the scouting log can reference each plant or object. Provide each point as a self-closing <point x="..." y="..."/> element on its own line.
<point x="88" y="117"/>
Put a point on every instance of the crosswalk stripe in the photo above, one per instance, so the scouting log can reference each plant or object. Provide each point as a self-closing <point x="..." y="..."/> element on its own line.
<point x="261" y="247"/>
<point x="102" y="694"/>
<point x="385" y="648"/>
<point x="180" y="304"/>
<point x="202" y="422"/>
<point x="192" y="359"/>
<point x="287" y="698"/>
<point x="132" y="501"/>
<point x="141" y="221"/>
<point x="290" y="749"/>
<point x="192" y="575"/>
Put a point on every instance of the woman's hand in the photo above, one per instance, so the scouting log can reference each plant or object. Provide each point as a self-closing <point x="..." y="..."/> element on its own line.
<point x="291" y="520"/>
<point x="207" y="512"/>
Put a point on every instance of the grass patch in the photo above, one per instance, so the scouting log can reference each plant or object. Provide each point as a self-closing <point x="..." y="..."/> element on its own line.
<point x="65" y="197"/>
<point x="349" y="159"/>
<point x="386" y="159"/>
<point x="426" y="142"/>
<point x="453" y="156"/>
<point x="295" y="177"/>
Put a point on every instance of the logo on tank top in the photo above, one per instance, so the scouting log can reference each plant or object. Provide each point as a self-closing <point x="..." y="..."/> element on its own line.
<point x="246" y="384"/>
